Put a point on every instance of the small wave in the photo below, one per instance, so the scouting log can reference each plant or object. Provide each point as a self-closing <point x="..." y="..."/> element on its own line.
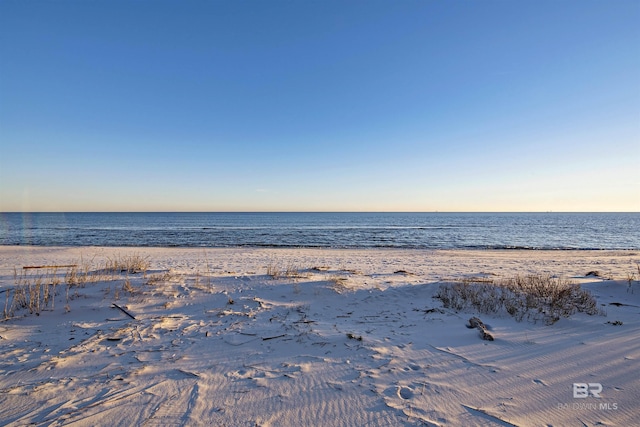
<point x="406" y="231"/>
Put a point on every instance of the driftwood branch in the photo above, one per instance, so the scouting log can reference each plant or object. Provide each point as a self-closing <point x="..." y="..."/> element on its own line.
<point x="272" y="338"/>
<point x="123" y="310"/>
<point x="28" y="267"/>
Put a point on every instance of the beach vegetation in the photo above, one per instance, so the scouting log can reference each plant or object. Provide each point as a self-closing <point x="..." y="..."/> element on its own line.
<point x="126" y="286"/>
<point x="274" y="271"/>
<point x="338" y="283"/>
<point x="162" y="277"/>
<point x="132" y="264"/>
<point x="33" y="292"/>
<point x="633" y="279"/>
<point x="534" y="297"/>
<point x="36" y="287"/>
<point x="289" y="271"/>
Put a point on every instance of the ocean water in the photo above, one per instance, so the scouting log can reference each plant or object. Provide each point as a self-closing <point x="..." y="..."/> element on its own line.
<point x="326" y="230"/>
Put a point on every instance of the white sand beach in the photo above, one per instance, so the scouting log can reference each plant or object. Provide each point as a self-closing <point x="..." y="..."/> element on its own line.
<point x="328" y="338"/>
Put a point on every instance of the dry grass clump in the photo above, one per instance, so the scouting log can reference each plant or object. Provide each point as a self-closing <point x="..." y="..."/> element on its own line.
<point x="32" y="292"/>
<point x="126" y="285"/>
<point x="338" y="283"/>
<point x="535" y="297"/>
<point x="274" y="271"/>
<point x="290" y="271"/>
<point x="632" y="279"/>
<point x="36" y="287"/>
<point x="35" y="292"/>
<point x="163" y="277"/>
<point x="131" y="264"/>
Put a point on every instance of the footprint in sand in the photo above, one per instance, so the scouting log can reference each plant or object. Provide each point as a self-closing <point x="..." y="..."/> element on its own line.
<point x="405" y="393"/>
<point x="412" y="367"/>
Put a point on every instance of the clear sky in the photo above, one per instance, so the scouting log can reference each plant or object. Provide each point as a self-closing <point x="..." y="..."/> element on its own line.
<point x="320" y="105"/>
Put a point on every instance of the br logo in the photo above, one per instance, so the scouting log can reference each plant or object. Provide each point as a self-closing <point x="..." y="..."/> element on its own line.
<point x="583" y="390"/>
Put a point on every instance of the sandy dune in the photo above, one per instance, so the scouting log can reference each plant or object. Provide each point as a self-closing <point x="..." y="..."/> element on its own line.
<point x="339" y="338"/>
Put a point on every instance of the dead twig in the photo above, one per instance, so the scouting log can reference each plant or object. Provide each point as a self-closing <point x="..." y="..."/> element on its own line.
<point x="271" y="338"/>
<point x="123" y="310"/>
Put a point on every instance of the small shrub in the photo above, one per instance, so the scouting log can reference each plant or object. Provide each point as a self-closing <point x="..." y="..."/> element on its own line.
<point x="534" y="297"/>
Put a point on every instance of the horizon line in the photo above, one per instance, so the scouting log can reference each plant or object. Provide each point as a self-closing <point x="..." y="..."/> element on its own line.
<point x="298" y="212"/>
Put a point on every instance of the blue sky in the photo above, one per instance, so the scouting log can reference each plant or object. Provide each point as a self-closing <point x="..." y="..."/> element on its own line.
<point x="320" y="105"/>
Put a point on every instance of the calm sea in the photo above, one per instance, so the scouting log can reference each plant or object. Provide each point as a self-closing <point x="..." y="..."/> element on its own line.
<point x="326" y="230"/>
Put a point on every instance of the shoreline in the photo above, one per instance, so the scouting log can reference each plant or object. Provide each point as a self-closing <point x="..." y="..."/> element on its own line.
<point x="400" y="248"/>
<point x="428" y="265"/>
